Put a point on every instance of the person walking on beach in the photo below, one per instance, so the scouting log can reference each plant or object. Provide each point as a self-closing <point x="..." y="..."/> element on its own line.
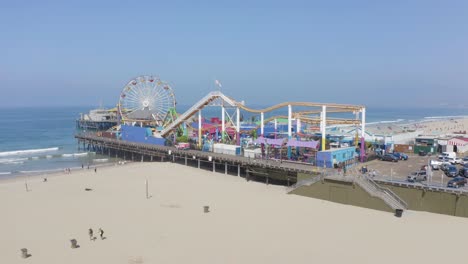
<point x="90" y="232"/>
<point x="101" y="233"/>
<point x="95" y="170"/>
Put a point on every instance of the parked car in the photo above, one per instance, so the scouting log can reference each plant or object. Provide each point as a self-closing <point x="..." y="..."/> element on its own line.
<point x="456" y="182"/>
<point x="435" y="165"/>
<point x="463" y="172"/>
<point x="444" y="159"/>
<point x="400" y="156"/>
<point x="447" y="155"/>
<point x="422" y="153"/>
<point x="451" y="171"/>
<point x="464" y="161"/>
<point x="454" y="161"/>
<point x="444" y="166"/>
<point x="388" y="157"/>
<point x="417" y="176"/>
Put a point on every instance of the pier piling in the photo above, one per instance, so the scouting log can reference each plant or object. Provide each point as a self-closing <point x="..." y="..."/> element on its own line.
<point x="123" y="148"/>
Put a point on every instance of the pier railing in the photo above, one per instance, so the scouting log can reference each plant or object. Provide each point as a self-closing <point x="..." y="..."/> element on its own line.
<point x="150" y="149"/>
<point x="387" y="195"/>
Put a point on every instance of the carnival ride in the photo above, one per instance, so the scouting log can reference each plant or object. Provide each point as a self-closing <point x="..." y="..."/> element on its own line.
<point x="303" y="116"/>
<point x="146" y="100"/>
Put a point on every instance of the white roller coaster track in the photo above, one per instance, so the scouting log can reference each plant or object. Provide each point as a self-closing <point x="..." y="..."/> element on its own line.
<point x="229" y="101"/>
<point x="196" y="107"/>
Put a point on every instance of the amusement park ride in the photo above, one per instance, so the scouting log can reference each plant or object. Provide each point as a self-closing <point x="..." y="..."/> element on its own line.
<point x="149" y="103"/>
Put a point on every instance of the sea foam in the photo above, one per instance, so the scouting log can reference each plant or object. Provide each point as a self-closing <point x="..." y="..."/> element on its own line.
<point x="100" y="160"/>
<point x="26" y="151"/>
<point x="13" y="161"/>
<point x="81" y="154"/>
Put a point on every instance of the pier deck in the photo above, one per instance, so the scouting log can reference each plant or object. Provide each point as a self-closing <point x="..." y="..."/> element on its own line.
<point x="166" y="152"/>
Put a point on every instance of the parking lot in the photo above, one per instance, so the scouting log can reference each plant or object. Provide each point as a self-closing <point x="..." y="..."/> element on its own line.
<point x="398" y="171"/>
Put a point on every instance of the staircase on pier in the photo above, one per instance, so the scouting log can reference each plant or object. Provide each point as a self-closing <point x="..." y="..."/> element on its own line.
<point x="365" y="182"/>
<point x="385" y="194"/>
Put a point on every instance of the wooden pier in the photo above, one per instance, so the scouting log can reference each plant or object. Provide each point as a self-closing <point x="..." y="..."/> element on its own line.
<point x="242" y="166"/>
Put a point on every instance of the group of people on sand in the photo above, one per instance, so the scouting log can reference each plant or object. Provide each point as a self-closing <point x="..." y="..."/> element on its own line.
<point x="95" y="168"/>
<point x="91" y="234"/>
<point x="67" y="170"/>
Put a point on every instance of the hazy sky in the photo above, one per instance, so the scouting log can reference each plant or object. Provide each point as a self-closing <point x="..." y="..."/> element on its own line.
<point x="389" y="53"/>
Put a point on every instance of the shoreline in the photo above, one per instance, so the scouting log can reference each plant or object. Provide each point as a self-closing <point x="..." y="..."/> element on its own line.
<point x="57" y="172"/>
<point x="426" y="127"/>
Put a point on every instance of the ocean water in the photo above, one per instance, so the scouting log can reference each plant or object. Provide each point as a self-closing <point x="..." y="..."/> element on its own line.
<point x="40" y="140"/>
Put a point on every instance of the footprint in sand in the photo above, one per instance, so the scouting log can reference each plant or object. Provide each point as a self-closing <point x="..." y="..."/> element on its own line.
<point x="170" y="205"/>
<point x="135" y="260"/>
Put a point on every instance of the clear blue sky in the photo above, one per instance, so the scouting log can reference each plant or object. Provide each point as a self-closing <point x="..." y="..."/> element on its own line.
<point x="389" y="53"/>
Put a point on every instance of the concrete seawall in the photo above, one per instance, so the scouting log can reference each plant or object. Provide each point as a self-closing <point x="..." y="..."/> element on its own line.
<point x="422" y="199"/>
<point x="418" y="198"/>
<point x="345" y="192"/>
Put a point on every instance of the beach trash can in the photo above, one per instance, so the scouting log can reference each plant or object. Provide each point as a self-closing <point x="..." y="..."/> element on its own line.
<point x="74" y="243"/>
<point x="398" y="212"/>
<point x="206" y="209"/>
<point x="24" y="253"/>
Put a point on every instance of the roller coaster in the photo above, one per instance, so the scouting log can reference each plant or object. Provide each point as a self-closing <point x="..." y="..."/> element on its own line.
<point x="300" y="116"/>
<point x="150" y="101"/>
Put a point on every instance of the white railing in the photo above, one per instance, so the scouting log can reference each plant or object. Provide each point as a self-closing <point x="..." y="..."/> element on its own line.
<point x="375" y="190"/>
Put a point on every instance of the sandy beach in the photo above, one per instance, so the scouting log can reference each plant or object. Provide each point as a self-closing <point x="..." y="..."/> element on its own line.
<point x="438" y="127"/>
<point x="248" y="222"/>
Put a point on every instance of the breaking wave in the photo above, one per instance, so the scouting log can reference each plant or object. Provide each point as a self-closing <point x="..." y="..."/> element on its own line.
<point x="13" y="161"/>
<point x="81" y="154"/>
<point x="26" y="151"/>
<point x="100" y="160"/>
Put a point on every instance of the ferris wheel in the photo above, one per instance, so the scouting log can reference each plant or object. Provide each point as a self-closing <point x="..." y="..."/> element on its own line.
<point x="146" y="99"/>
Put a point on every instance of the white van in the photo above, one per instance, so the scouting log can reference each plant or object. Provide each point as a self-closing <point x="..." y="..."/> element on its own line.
<point x="447" y="155"/>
